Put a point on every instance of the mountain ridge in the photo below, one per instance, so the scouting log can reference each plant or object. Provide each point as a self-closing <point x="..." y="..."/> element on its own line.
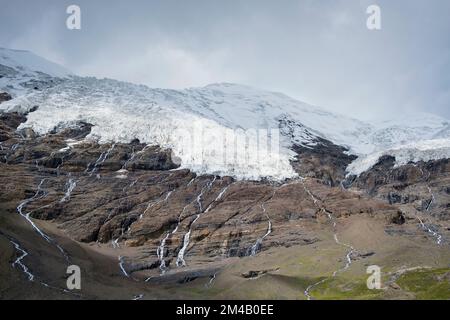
<point x="91" y="176"/>
<point x="163" y="116"/>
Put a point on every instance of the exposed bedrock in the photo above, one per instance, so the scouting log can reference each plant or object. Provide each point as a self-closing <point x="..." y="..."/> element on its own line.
<point x="4" y="96"/>
<point x="325" y="161"/>
<point x="424" y="185"/>
<point x="134" y="196"/>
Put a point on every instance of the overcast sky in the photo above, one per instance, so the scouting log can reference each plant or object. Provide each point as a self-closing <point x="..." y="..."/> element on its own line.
<point x="319" y="52"/>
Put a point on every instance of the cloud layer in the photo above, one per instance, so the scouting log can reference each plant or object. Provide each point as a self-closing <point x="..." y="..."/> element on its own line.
<point x="317" y="51"/>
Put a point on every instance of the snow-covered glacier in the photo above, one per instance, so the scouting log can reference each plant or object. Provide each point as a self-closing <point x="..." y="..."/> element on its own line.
<point x="27" y="63"/>
<point x="121" y="112"/>
<point x="413" y="152"/>
<point x="202" y="126"/>
<point x="23" y="72"/>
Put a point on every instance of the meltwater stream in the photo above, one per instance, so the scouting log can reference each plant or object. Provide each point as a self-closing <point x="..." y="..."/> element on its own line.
<point x="101" y="159"/>
<point x="180" y="259"/>
<point x="154" y="203"/>
<point x="258" y="244"/>
<point x="26" y="270"/>
<point x="127" y="162"/>
<point x="253" y="250"/>
<point x="19" y="262"/>
<point x="430" y="231"/>
<point x="160" y="250"/>
<point x="71" y="184"/>
<point x="39" y="195"/>
<point x="122" y="268"/>
<point x="432" y="199"/>
<point x="336" y="239"/>
<point x="425" y="227"/>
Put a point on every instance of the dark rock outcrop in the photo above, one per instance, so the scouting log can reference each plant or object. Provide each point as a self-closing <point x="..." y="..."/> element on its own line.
<point x="4" y="96"/>
<point x="325" y="161"/>
<point x="424" y="185"/>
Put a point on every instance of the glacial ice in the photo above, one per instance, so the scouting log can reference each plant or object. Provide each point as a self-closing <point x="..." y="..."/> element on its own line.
<point x="413" y="152"/>
<point x="202" y="126"/>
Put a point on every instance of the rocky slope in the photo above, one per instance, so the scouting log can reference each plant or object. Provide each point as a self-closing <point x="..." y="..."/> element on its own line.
<point x="96" y="173"/>
<point x="169" y="226"/>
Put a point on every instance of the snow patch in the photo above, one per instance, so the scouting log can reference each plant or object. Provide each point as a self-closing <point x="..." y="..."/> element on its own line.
<point x="425" y="150"/>
<point x="26" y="62"/>
<point x="121" y="112"/>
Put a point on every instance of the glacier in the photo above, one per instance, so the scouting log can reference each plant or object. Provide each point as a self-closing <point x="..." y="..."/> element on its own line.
<point x="412" y="152"/>
<point x="222" y="113"/>
<point x="22" y="72"/>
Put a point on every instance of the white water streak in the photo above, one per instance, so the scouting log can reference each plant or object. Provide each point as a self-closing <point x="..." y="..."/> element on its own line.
<point x="19" y="262"/>
<point x="122" y="268"/>
<point x="115" y="243"/>
<point x="30" y="276"/>
<point x="130" y="185"/>
<point x="27" y="217"/>
<point x="160" y="253"/>
<point x="163" y="242"/>
<point x="138" y="297"/>
<point x="431" y="231"/>
<point x="211" y="281"/>
<point x="133" y="155"/>
<point x="71" y="184"/>
<point x="432" y="198"/>
<point x="101" y="159"/>
<point x="152" y="204"/>
<point x="257" y="246"/>
<point x="422" y="224"/>
<point x="336" y="239"/>
<point x="180" y="259"/>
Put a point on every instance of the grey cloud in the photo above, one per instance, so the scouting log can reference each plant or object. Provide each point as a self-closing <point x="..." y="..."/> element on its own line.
<point x="317" y="51"/>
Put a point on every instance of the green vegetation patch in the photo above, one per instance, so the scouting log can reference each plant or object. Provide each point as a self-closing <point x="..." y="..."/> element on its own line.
<point x="345" y="289"/>
<point x="427" y="284"/>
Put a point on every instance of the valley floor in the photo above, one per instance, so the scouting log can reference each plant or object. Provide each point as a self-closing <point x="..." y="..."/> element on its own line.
<point x="412" y="268"/>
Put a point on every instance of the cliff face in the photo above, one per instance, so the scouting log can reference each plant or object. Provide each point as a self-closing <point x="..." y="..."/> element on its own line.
<point x="4" y="97"/>
<point x="133" y="202"/>
<point x="422" y="186"/>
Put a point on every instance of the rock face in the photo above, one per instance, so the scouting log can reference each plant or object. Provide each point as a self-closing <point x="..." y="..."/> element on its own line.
<point x="8" y="124"/>
<point x="325" y="161"/>
<point x="4" y="97"/>
<point x="134" y="197"/>
<point x="423" y="185"/>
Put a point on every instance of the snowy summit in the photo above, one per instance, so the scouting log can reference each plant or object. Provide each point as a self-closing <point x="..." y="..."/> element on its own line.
<point x="224" y="113"/>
